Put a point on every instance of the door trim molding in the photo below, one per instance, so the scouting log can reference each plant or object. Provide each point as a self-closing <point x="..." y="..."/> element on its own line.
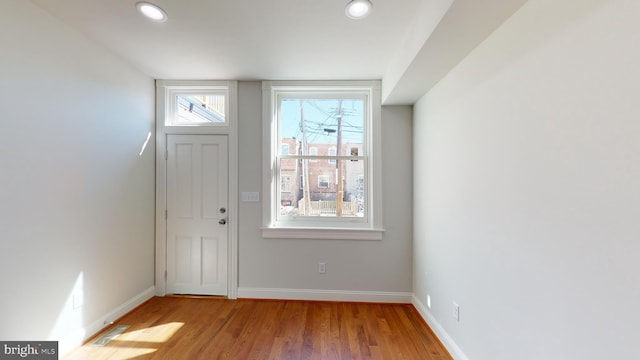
<point x="231" y="131"/>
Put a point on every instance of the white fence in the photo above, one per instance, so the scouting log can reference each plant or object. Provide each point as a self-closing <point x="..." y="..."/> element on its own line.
<point x="328" y="208"/>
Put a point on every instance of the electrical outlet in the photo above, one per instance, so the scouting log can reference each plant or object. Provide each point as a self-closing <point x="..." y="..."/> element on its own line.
<point x="429" y="301"/>
<point x="456" y="311"/>
<point x="322" y="268"/>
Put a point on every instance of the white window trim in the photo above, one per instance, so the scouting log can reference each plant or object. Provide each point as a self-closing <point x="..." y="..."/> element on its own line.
<point x="175" y="88"/>
<point x="323" y="229"/>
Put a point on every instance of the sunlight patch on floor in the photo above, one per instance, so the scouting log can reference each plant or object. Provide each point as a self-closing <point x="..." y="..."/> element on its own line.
<point x="130" y="344"/>
<point x="154" y="334"/>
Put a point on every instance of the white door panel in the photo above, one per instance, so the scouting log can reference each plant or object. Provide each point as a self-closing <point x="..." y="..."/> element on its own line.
<point x="197" y="186"/>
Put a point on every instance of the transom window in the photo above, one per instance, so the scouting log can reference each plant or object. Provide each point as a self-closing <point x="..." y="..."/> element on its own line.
<point x="197" y="106"/>
<point x="332" y="127"/>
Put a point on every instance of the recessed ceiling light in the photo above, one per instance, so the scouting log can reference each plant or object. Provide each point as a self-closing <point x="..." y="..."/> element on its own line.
<point x="152" y="11"/>
<point x="358" y="9"/>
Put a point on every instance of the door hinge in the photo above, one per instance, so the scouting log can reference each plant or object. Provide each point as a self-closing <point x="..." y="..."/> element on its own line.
<point x="166" y="214"/>
<point x="165" y="275"/>
<point x="166" y="154"/>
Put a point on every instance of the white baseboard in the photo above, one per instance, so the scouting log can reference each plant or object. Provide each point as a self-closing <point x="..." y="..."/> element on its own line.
<point x="121" y="310"/>
<point x="91" y="329"/>
<point x="325" y="295"/>
<point x="442" y="335"/>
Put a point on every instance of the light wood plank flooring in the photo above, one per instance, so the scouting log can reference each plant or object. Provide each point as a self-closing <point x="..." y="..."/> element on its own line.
<point x="209" y="328"/>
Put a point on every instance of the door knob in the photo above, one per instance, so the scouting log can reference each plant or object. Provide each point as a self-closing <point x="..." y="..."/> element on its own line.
<point x="223" y="210"/>
<point x="222" y="221"/>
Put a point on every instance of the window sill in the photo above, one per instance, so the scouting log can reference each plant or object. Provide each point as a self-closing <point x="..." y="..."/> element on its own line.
<point x="322" y="233"/>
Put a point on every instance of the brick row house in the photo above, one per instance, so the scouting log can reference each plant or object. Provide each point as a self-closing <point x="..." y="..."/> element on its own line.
<point x="322" y="176"/>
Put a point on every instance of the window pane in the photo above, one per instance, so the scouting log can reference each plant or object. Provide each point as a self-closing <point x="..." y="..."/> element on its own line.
<point x="313" y="151"/>
<point x="285" y="183"/>
<point x="323" y="181"/>
<point x="200" y="109"/>
<point x="332" y="152"/>
<point x="328" y="197"/>
<point x="324" y="123"/>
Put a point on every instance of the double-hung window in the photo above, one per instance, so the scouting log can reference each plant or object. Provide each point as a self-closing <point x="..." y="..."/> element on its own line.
<point x="325" y="136"/>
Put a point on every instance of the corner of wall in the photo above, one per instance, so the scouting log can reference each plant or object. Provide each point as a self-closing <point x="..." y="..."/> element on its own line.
<point x="446" y="340"/>
<point x="104" y="321"/>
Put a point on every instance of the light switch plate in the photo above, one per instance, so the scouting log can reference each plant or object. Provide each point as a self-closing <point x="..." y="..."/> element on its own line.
<point x="251" y="196"/>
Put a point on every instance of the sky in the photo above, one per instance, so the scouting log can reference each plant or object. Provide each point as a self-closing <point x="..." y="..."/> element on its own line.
<point x="320" y="115"/>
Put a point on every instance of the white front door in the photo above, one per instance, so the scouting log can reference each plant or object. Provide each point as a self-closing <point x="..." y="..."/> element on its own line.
<point x="197" y="200"/>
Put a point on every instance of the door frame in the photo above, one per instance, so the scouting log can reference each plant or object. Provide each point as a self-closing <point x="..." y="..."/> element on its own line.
<point x="163" y="87"/>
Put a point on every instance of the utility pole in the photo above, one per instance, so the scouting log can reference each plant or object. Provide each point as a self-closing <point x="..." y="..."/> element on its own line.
<point x="305" y="165"/>
<point x="340" y="191"/>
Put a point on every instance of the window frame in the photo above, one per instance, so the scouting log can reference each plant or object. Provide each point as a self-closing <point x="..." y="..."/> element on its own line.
<point x="171" y="108"/>
<point x="306" y="227"/>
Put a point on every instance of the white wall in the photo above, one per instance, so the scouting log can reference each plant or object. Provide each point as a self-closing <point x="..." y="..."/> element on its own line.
<point x="368" y="266"/>
<point x="76" y="196"/>
<point x="526" y="180"/>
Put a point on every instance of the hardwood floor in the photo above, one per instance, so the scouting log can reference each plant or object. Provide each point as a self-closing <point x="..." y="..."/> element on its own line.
<point x="209" y="328"/>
